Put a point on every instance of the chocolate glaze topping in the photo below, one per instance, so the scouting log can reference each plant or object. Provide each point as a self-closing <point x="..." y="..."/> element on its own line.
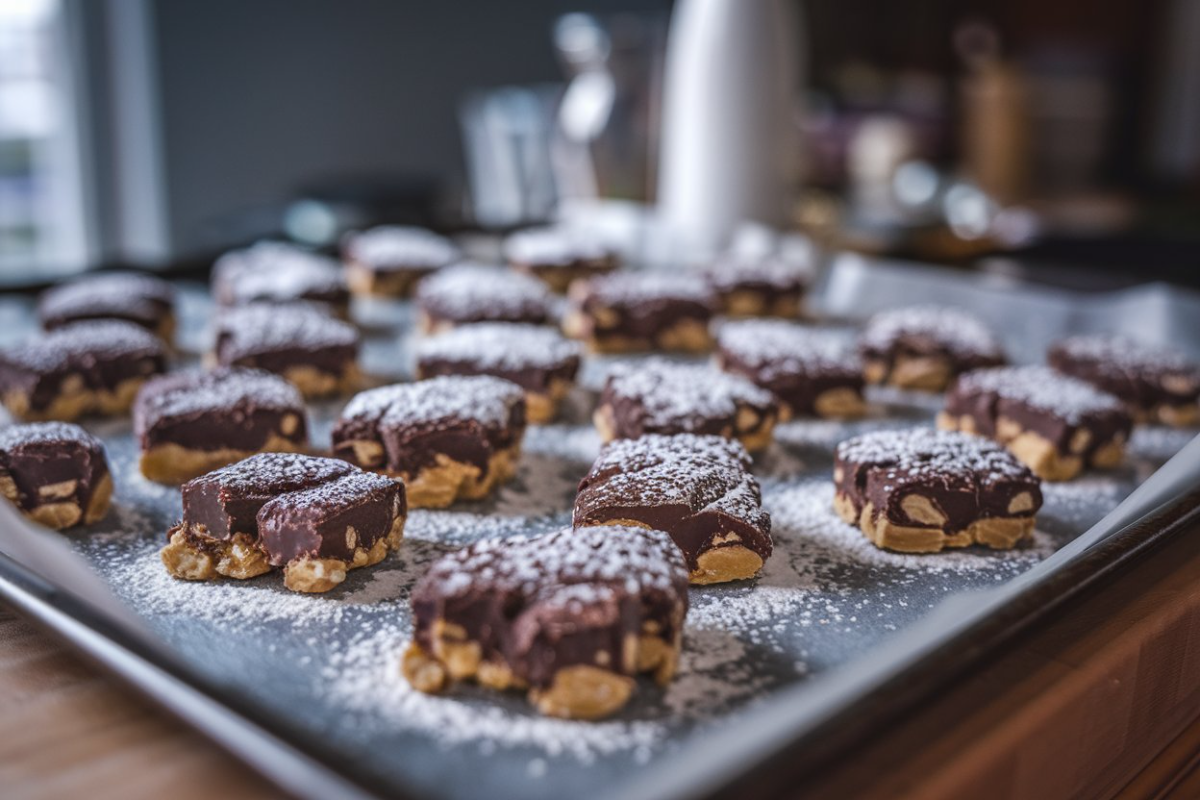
<point x="103" y="353"/>
<point x="273" y="272"/>
<point x="141" y="299"/>
<point x="276" y="337"/>
<point x="539" y="604"/>
<point x="230" y="407"/>
<point x="530" y="356"/>
<point x="931" y="331"/>
<point x="400" y="248"/>
<point x="467" y="418"/>
<point x="559" y="248"/>
<point x="696" y="488"/>
<point x="47" y="453"/>
<point x="1143" y="376"/>
<point x="472" y="292"/>
<point x="965" y="477"/>
<point x="794" y="363"/>
<point x="643" y="304"/>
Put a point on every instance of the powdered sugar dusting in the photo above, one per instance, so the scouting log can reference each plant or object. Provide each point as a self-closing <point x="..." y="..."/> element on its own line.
<point x="501" y="345"/>
<point x="950" y="328"/>
<point x="1041" y="388"/>
<point x="683" y="396"/>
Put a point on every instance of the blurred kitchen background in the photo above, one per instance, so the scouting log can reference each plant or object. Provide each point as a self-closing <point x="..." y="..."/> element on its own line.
<point x="1058" y="141"/>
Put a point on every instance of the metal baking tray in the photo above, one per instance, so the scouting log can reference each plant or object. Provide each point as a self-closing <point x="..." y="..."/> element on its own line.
<point x="778" y="674"/>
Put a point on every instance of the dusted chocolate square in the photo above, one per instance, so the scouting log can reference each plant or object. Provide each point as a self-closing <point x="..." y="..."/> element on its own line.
<point x="55" y="473"/>
<point x="812" y="373"/>
<point x="1157" y="384"/>
<point x="191" y="423"/>
<point x="81" y="369"/>
<point x="1056" y="424"/>
<point x="634" y="311"/>
<point x="274" y="272"/>
<point x="660" y="396"/>
<point x="536" y="358"/>
<point x="387" y="261"/>
<point x="696" y="488"/>
<point x="559" y="256"/>
<point x="314" y="351"/>
<point x="143" y="300"/>
<point x="925" y="347"/>
<point x="571" y="616"/>
<point x="765" y="286"/>
<point x="223" y="520"/>
<point x="921" y="490"/>
<point x="469" y="292"/>
<point x="448" y="438"/>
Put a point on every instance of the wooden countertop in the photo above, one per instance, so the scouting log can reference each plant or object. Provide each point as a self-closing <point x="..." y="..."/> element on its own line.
<point x="1102" y="700"/>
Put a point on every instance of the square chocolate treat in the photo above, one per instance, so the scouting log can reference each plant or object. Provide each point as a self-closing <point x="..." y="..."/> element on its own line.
<point x="696" y="488"/>
<point x="191" y="423"/>
<point x="274" y="272"/>
<point x="469" y="292"/>
<point x="536" y="358"/>
<point x="559" y="256"/>
<point x="55" y="473"/>
<point x="812" y="373"/>
<point x="387" y="261"/>
<point x="922" y="490"/>
<point x="571" y="616"/>
<point x="1157" y="384"/>
<point x="660" y="396"/>
<point x="765" y="286"/>
<point x="81" y="369"/>
<point x="447" y="438"/>
<point x="144" y="300"/>
<point x="925" y="347"/>
<point x="633" y="311"/>
<point x="315" y="517"/>
<point x="1056" y="424"/>
<point x="317" y="353"/>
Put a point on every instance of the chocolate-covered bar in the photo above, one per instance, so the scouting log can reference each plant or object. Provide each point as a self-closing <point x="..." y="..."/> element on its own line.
<point x="536" y="358"/>
<point x="274" y="272"/>
<point x="387" y="261"/>
<point x="448" y="438"/>
<point x="81" y="369"/>
<point x="921" y="490"/>
<point x="632" y="311"/>
<point x="55" y="473"/>
<point x="767" y="286"/>
<point x="660" y="396"/>
<point x="144" y="300"/>
<point x="696" y="488"/>
<point x="1157" y="384"/>
<point x="573" y="617"/>
<point x="1056" y="424"/>
<point x="317" y="353"/>
<point x="559" y="256"/>
<point x="469" y="292"/>
<point x="925" y="347"/>
<point x="812" y="373"/>
<point x="316" y="518"/>
<point x="190" y="423"/>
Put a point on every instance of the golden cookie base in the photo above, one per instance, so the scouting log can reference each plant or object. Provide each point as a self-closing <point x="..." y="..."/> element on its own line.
<point x="171" y="463"/>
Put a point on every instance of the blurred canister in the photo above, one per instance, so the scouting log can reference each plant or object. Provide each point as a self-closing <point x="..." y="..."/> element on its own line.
<point x="729" y="119"/>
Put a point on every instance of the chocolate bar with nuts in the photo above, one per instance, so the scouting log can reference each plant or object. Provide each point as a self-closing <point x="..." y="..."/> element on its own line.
<point x="81" y="369"/>
<point x="559" y="256"/>
<point x="315" y="517"/>
<point x="759" y="287"/>
<point x="1056" y="424"/>
<point x="660" y="396"/>
<point x="275" y="272"/>
<point x="811" y="372"/>
<point x="314" y="351"/>
<point x="635" y="311"/>
<point x="1157" y="384"/>
<point x="925" y="347"/>
<point x="144" y="300"/>
<point x="696" y="488"/>
<point x="387" y="261"/>
<point x="536" y="358"/>
<point x="55" y="473"/>
<point x="191" y="423"/>
<point x="449" y="438"/>
<point x="470" y="292"/>
<point x="922" y="490"/>
<point x="571" y="616"/>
